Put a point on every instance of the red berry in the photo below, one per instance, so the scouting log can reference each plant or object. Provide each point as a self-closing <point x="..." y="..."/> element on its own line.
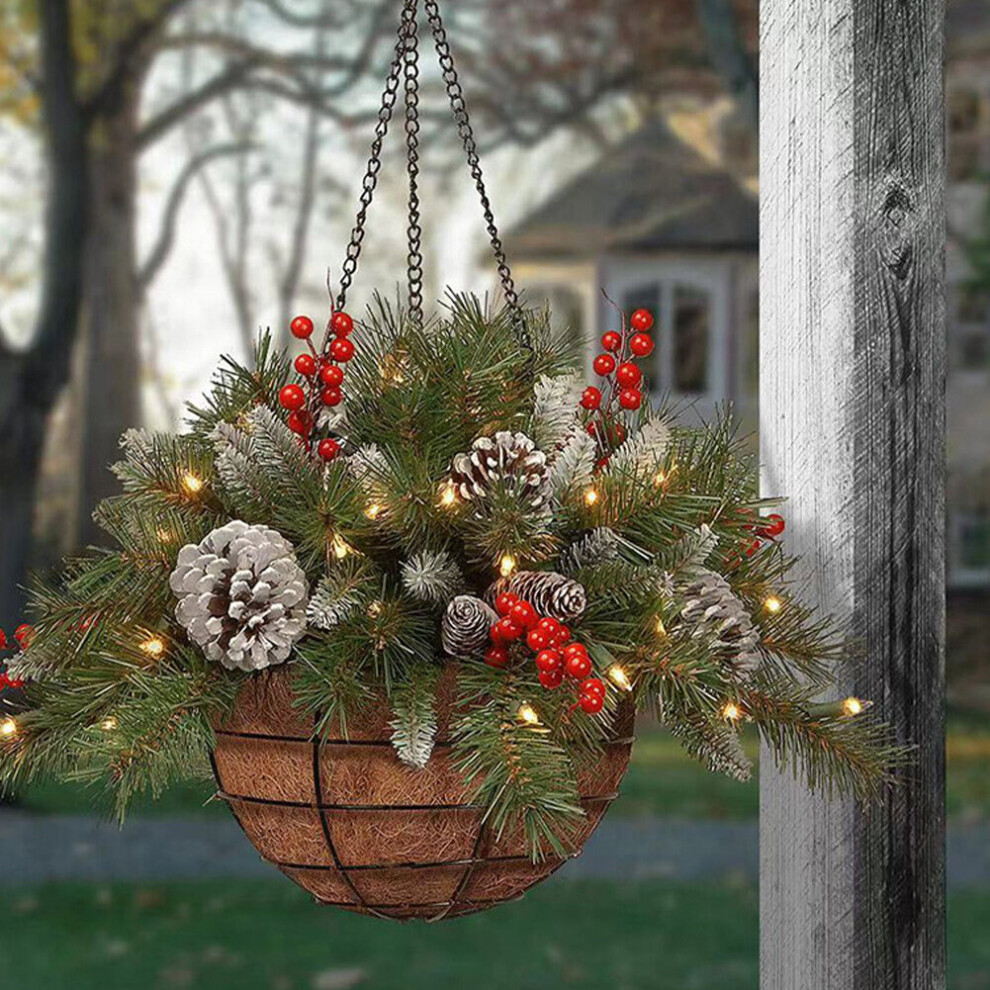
<point x="3" y="640"/>
<point x="342" y="349"/>
<point x="611" y="341"/>
<point x="496" y="656"/>
<point x="630" y="398"/>
<point x="562" y="636"/>
<point x="537" y="639"/>
<point x="301" y="423"/>
<point x="591" y="398"/>
<point x="342" y="324"/>
<point x="578" y="666"/>
<point x="328" y="449"/>
<point x="575" y="649"/>
<point x="331" y="396"/>
<point x="593" y="685"/>
<point x="306" y="365"/>
<point x="24" y="634"/>
<point x="604" y="364"/>
<point x="301" y="327"/>
<point x="628" y="375"/>
<point x="509" y="629"/>
<point x="524" y="614"/>
<point x="775" y="525"/>
<point x="504" y="602"/>
<point x="592" y="703"/>
<point x="642" y="320"/>
<point x="753" y="548"/>
<point x="641" y="344"/>
<point x="551" y="679"/>
<point x="550" y="626"/>
<point x="331" y="374"/>
<point x="292" y="397"/>
<point x="495" y="636"/>
<point x="548" y="660"/>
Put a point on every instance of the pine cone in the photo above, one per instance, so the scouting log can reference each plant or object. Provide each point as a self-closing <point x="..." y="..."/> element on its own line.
<point x="713" y="611"/>
<point x="466" y="626"/>
<point x="510" y="460"/>
<point x="548" y="592"/>
<point x="242" y="596"/>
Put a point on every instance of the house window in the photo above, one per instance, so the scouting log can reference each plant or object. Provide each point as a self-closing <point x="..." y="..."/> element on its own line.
<point x="692" y="316"/>
<point x="681" y="361"/>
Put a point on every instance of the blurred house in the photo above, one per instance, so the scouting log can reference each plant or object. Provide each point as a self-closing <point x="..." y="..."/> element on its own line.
<point x="669" y="221"/>
<point x="656" y="223"/>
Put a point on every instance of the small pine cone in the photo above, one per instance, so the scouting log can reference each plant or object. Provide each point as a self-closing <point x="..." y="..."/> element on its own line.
<point x="466" y="626"/>
<point x="549" y="593"/>
<point x="713" y="611"/>
<point x="510" y="460"/>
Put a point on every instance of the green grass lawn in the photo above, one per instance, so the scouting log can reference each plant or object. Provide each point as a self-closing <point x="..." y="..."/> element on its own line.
<point x="268" y="936"/>
<point x="662" y="780"/>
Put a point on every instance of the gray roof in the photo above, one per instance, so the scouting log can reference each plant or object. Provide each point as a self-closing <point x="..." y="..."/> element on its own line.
<point x="651" y="193"/>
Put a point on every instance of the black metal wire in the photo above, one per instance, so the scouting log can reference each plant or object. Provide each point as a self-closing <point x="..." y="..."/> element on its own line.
<point x="458" y="106"/>
<point x="405" y="65"/>
<point x="414" y="261"/>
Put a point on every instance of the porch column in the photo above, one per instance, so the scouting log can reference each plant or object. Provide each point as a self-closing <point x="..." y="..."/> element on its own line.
<point x="852" y="429"/>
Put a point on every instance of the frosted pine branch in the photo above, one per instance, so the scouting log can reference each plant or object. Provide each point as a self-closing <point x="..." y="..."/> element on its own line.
<point x="574" y="465"/>
<point x="643" y="452"/>
<point x="555" y="410"/>
<point x="432" y="577"/>
<point x="331" y="604"/>
<point x="414" y="727"/>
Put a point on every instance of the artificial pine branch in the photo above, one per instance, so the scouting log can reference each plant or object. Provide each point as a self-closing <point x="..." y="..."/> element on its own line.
<point x="414" y="726"/>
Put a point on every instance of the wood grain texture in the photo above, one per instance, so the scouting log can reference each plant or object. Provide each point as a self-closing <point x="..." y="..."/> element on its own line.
<point x="852" y="430"/>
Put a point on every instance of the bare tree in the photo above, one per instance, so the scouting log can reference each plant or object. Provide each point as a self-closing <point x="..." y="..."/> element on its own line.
<point x="528" y="69"/>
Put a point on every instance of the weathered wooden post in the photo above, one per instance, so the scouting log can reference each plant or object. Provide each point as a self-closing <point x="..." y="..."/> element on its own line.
<point x="852" y="421"/>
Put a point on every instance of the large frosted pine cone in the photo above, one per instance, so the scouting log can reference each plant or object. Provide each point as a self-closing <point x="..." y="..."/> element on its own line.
<point x="509" y="460"/>
<point x="242" y="596"/>
<point x="548" y="592"/>
<point x="712" y="610"/>
<point x="466" y="626"/>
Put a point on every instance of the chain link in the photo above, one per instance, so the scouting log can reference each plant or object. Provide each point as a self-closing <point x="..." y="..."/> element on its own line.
<point x="370" y="180"/>
<point x="414" y="260"/>
<point x="458" y="105"/>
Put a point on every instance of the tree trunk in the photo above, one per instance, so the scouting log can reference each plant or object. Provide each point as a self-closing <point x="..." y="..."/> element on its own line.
<point x="852" y="417"/>
<point x="112" y="387"/>
<point x="31" y="381"/>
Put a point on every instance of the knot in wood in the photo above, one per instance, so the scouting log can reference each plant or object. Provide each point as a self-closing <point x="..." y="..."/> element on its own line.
<point x="896" y="233"/>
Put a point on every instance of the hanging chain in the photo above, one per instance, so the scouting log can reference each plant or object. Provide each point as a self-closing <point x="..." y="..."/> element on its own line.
<point x="370" y="180"/>
<point x="405" y="66"/>
<point x="459" y="107"/>
<point x="415" y="231"/>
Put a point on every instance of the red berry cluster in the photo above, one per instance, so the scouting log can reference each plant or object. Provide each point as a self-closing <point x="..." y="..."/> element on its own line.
<point x="23" y="636"/>
<point x="623" y="378"/>
<point x="323" y="378"/>
<point x="550" y="640"/>
<point x="769" y="528"/>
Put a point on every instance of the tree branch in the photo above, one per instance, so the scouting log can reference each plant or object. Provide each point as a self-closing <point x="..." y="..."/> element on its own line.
<point x="166" y="236"/>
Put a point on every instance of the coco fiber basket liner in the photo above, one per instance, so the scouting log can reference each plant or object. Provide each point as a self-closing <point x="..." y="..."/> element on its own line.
<point x="350" y="823"/>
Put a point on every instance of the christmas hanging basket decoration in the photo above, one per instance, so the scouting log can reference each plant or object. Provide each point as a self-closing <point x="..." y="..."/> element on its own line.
<point x="403" y="596"/>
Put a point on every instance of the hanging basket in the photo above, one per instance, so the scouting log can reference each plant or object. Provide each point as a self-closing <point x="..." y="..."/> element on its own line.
<point x="350" y="823"/>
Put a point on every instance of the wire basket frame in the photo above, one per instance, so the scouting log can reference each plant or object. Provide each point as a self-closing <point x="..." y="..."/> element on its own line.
<point x="346" y="820"/>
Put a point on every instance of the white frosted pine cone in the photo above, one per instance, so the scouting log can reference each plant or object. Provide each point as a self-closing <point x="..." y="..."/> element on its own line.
<point x="507" y="460"/>
<point x="713" y="611"/>
<point x="242" y="596"/>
